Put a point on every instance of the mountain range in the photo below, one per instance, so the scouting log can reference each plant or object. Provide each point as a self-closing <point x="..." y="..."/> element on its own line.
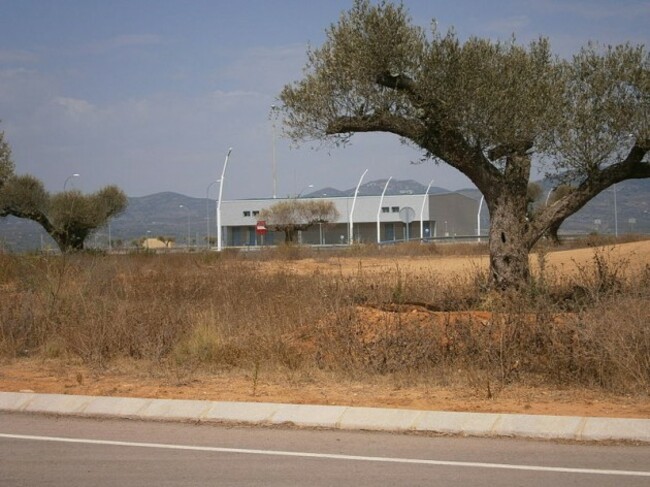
<point x="175" y="215"/>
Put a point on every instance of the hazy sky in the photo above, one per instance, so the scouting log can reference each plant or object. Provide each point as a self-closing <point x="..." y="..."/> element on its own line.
<point x="149" y="95"/>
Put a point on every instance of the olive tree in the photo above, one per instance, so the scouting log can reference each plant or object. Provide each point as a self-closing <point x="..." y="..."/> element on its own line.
<point x="490" y="109"/>
<point x="68" y="217"/>
<point x="6" y="163"/>
<point x="295" y="215"/>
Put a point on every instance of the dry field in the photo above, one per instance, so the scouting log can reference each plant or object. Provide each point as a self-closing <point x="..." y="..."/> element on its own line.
<point x="408" y="331"/>
<point x="567" y="262"/>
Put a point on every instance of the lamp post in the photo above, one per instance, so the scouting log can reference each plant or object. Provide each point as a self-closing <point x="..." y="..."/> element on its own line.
<point x="223" y="175"/>
<point x="381" y="202"/>
<point x="548" y="196"/>
<point x="354" y="201"/>
<point x="274" y="109"/>
<point x="207" y="212"/>
<point x="188" y="225"/>
<point x="320" y="226"/>
<point x="478" y="218"/>
<point x="424" y="200"/>
<point x="75" y="175"/>
<point x="303" y="190"/>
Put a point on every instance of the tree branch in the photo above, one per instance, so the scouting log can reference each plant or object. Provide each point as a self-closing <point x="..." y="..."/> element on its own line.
<point x="399" y="82"/>
<point x="380" y="122"/>
<point x="504" y="150"/>
<point x="632" y="167"/>
<point x="36" y="216"/>
<point x="442" y="141"/>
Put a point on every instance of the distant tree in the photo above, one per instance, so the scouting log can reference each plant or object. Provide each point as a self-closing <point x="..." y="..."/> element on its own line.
<point x="68" y="217"/>
<point x="295" y="215"/>
<point x="485" y="108"/>
<point x="6" y="163"/>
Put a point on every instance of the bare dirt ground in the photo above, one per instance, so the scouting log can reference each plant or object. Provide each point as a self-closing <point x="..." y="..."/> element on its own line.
<point x="130" y="380"/>
<point x="139" y="380"/>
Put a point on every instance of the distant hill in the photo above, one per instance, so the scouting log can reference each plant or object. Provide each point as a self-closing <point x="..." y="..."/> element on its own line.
<point x="170" y="214"/>
<point x="375" y="188"/>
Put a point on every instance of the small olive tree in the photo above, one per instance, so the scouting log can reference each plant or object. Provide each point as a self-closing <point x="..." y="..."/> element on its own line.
<point x="68" y="217"/>
<point x="489" y="109"/>
<point x="295" y="215"/>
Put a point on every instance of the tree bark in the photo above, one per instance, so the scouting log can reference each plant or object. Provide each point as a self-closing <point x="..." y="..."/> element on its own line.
<point x="69" y="241"/>
<point x="552" y="232"/>
<point x="509" y="243"/>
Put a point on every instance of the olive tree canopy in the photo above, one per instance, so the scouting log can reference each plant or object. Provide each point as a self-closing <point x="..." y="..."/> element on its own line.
<point x="489" y="109"/>
<point x="296" y="215"/>
<point x="6" y="163"/>
<point x="68" y="217"/>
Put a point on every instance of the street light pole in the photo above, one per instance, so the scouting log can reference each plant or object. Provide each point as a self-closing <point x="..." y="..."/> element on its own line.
<point x="381" y="202"/>
<point x="354" y="201"/>
<point x="223" y="176"/>
<point x="273" y="160"/>
<point x="548" y="196"/>
<point x="478" y="218"/>
<point x="207" y="212"/>
<point x="303" y="190"/>
<point x="424" y="200"/>
<point x="75" y="175"/>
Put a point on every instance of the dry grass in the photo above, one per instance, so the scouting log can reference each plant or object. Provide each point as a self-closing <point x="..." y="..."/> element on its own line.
<point x="204" y="313"/>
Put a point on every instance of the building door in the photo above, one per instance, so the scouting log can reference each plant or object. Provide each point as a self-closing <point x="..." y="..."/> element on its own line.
<point x="236" y="236"/>
<point x="389" y="231"/>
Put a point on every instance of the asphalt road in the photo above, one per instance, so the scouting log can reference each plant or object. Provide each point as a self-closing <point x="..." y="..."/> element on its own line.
<point x="40" y="450"/>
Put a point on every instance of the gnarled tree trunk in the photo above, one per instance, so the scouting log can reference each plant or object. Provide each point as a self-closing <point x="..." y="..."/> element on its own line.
<point x="509" y="242"/>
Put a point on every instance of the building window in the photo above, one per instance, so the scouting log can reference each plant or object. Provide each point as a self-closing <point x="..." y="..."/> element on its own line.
<point x="394" y="209"/>
<point x="384" y="209"/>
<point x="247" y="213"/>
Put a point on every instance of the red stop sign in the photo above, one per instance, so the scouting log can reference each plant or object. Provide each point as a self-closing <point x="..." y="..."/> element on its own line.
<point x="260" y="227"/>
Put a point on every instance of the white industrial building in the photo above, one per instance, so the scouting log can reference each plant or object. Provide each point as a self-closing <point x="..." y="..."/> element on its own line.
<point x="373" y="220"/>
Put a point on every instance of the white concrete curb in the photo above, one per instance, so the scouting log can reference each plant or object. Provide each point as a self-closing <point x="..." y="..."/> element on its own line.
<point x="334" y="417"/>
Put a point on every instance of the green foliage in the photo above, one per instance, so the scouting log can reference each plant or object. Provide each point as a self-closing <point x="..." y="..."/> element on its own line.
<point x="69" y="217"/>
<point x="77" y="214"/>
<point x="296" y="215"/>
<point x="6" y="163"/>
<point x="606" y="107"/>
<point x="486" y="108"/>
<point x="24" y="197"/>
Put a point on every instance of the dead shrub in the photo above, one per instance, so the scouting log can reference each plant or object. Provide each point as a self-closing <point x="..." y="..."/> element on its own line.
<point x="219" y="312"/>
